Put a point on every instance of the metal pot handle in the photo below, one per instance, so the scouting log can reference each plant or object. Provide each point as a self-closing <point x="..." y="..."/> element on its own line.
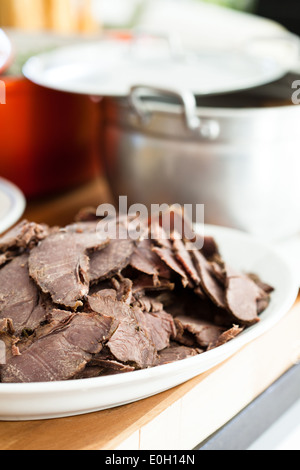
<point x="209" y="129"/>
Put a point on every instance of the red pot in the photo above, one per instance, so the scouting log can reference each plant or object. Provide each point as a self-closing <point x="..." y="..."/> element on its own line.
<point x="47" y="138"/>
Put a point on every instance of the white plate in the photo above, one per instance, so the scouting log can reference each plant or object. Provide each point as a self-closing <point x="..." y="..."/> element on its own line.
<point x="111" y="68"/>
<point x="20" y="402"/>
<point x="12" y="205"/>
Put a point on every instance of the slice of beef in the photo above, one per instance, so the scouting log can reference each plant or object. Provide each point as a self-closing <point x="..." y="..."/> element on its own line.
<point x="242" y="298"/>
<point x="203" y="332"/>
<point x="219" y="272"/>
<point x="20" y="239"/>
<point x="176" y="353"/>
<point x="20" y="299"/>
<point x="83" y="227"/>
<point x="227" y="336"/>
<point x="263" y="304"/>
<point x="106" y="303"/>
<point x="184" y="257"/>
<point x="210" y="248"/>
<point x="24" y="235"/>
<point x="149" y="304"/>
<point x="8" y="341"/>
<point x="262" y="285"/>
<point x="212" y="287"/>
<point x="167" y="256"/>
<point x="8" y="256"/>
<point x="145" y="284"/>
<point x="6" y="326"/>
<point x="60" y="265"/>
<point x="123" y="287"/>
<point x="145" y="260"/>
<point x="110" y="261"/>
<point x="200" y="293"/>
<point x="105" y="368"/>
<point x="129" y="343"/>
<point x="107" y="364"/>
<point x="159" y="327"/>
<point x="159" y="236"/>
<point x="62" y="354"/>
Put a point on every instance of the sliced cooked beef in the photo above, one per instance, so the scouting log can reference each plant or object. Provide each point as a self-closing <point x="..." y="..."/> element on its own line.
<point x="6" y="326"/>
<point x="110" y="261"/>
<point x="227" y="336"/>
<point x="104" y="368"/>
<point x="200" y="293"/>
<point x="203" y="332"/>
<point x="106" y="303"/>
<point x="145" y="260"/>
<point x="210" y="248"/>
<point x="19" y="297"/>
<point x="8" y="256"/>
<point x="149" y="304"/>
<point x="83" y="227"/>
<point x="107" y="364"/>
<point x="20" y="239"/>
<point x="60" y="355"/>
<point x="159" y="236"/>
<point x="24" y="235"/>
<point x="219" y="272"/>
<point x="159" y="327"/>
<point x="184" y="257"/>
<point x="129" y="344"/>
<point x="123" y="288"/>
<point x="176" y="353"/>
<point x="167" y="256"/>
<point x="262" y="285"/>
<point x="263" y="304"/>
<point x="77" y="305"/>
<point x="60" y="265"/>
<point x="145" y="284"/>
<point x="210" y="284"/>
<point x="242" y="296"/>
<point x="8" y="341"/>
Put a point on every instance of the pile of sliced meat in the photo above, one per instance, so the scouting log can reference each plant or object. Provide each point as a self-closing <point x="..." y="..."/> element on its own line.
<point x="76" y="305"/>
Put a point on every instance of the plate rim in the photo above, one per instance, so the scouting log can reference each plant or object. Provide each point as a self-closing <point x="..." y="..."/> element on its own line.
<point x="19" y="205"/>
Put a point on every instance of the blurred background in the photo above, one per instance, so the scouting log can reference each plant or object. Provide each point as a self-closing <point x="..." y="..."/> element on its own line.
<point x="71" y="16"/>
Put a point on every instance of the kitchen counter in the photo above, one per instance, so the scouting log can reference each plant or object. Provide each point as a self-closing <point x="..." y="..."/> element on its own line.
<point x="178" y="419"/>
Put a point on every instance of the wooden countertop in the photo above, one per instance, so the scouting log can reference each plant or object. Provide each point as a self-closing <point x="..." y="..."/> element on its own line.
<point x="178" y="419"/>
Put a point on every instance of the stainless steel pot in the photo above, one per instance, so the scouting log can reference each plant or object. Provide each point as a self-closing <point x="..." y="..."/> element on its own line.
<point x="242" y="162"/>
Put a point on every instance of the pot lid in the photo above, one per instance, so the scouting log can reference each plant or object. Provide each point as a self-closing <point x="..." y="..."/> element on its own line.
<point x="110" y="67"/>
<point x="6" y="51"/>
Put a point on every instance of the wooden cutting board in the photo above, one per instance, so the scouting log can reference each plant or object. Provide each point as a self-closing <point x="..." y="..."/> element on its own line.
<point x="178" y="419"/>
